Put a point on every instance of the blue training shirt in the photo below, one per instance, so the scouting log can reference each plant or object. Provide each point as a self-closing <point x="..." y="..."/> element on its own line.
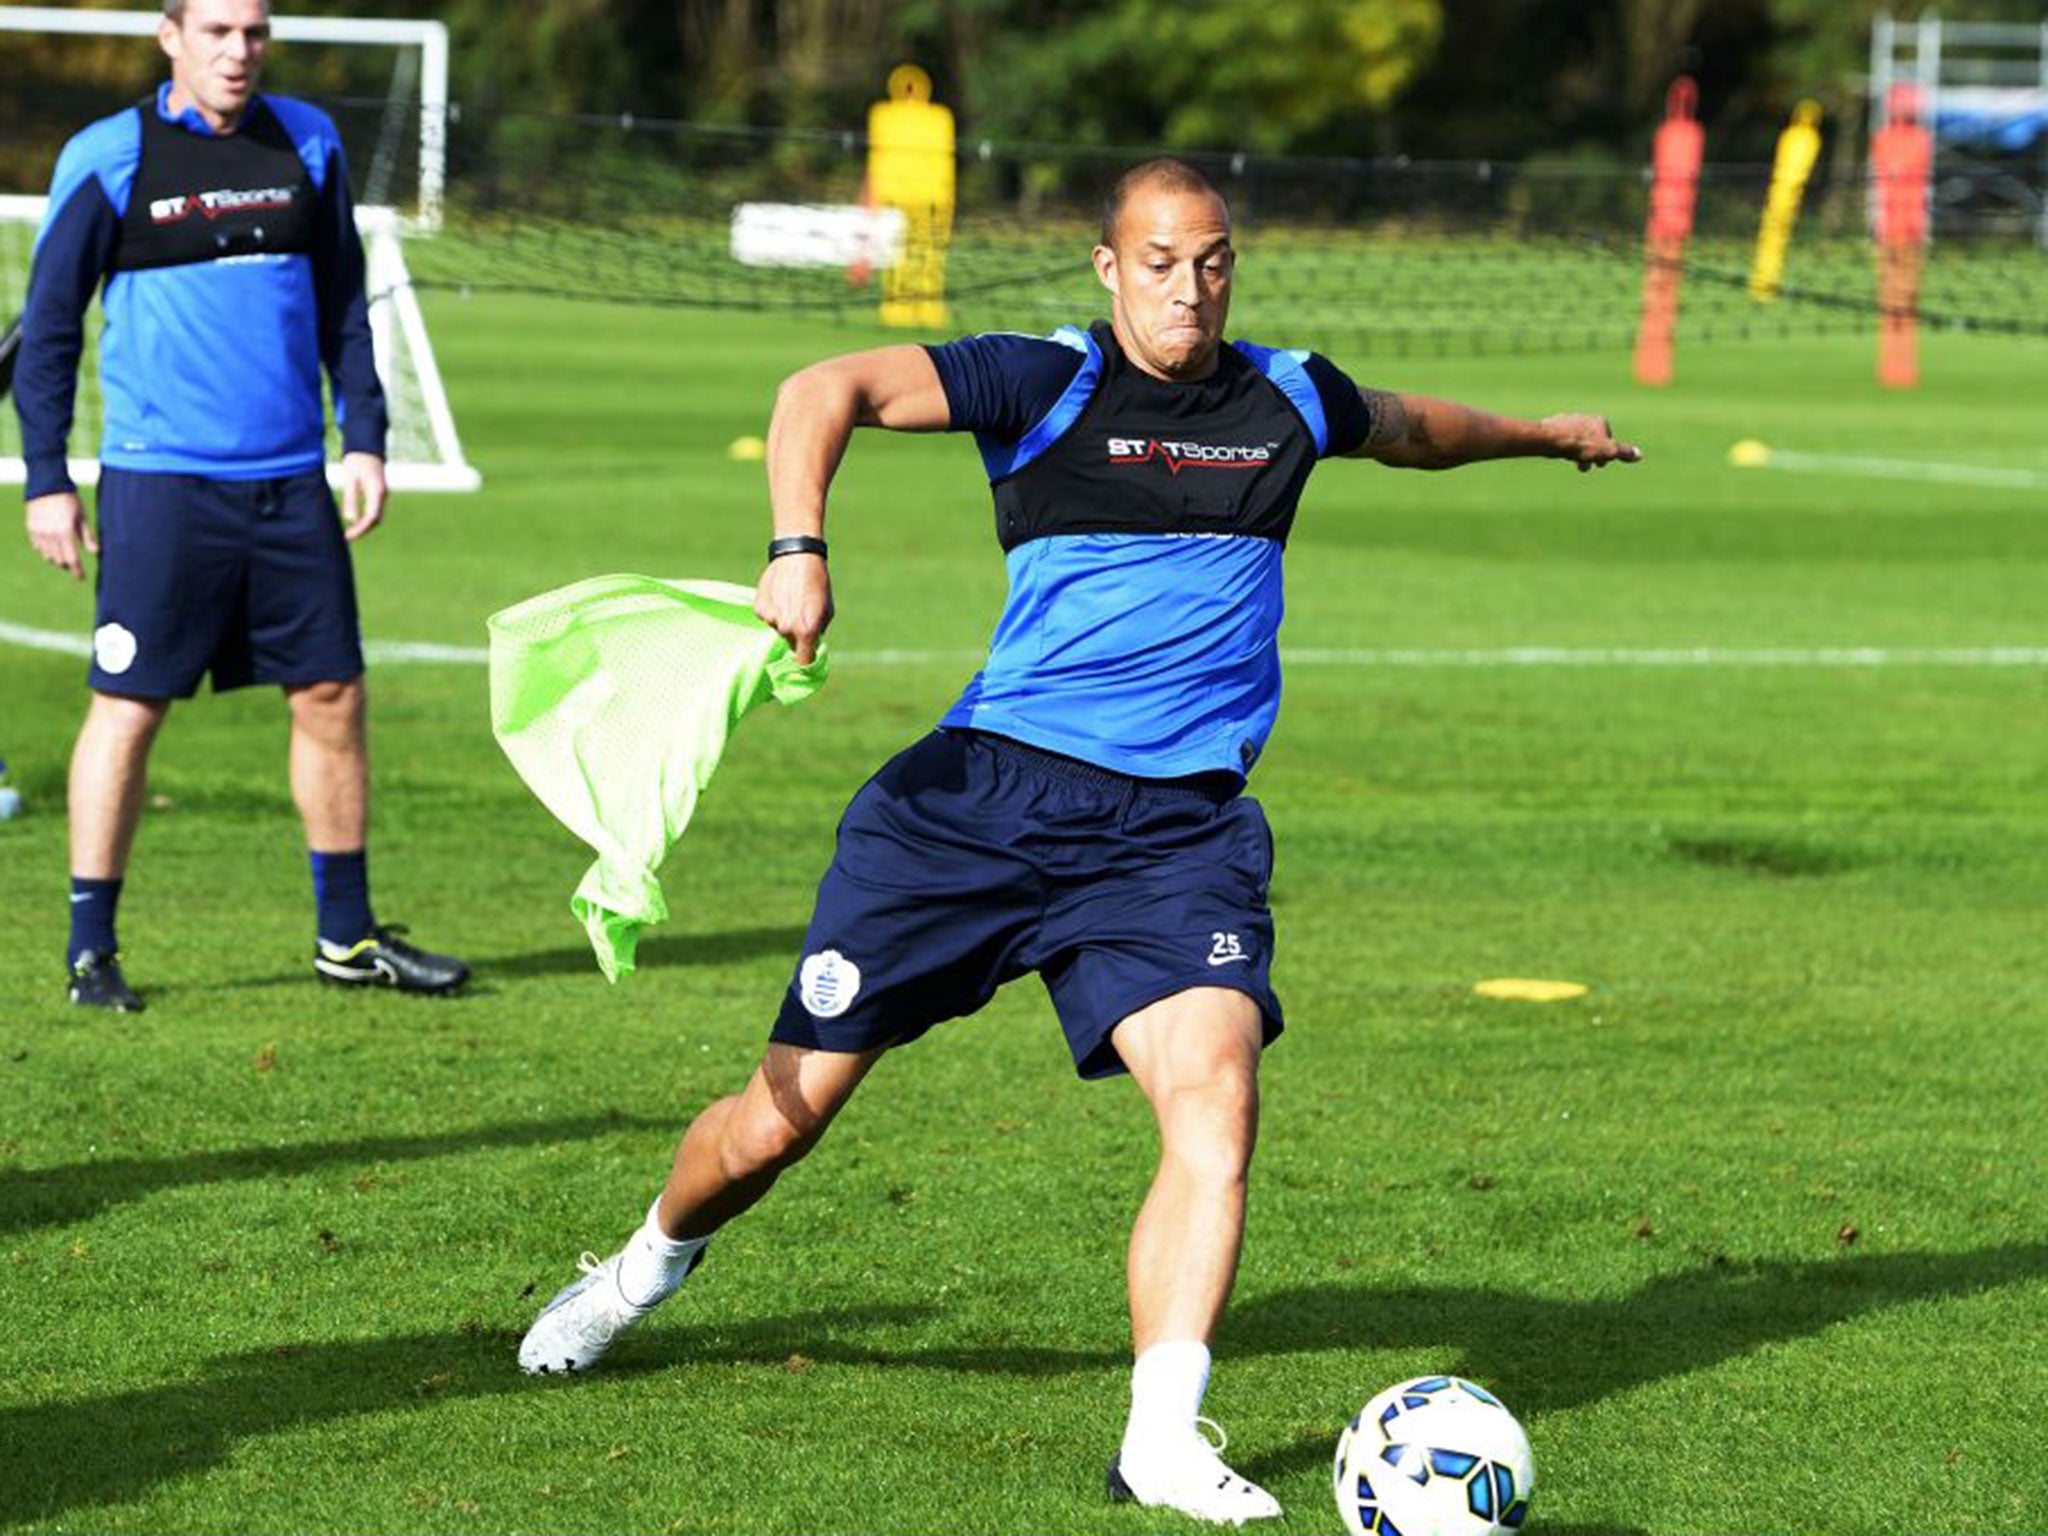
<point x="208" y="367"/>
<point x="1143" y="523"/>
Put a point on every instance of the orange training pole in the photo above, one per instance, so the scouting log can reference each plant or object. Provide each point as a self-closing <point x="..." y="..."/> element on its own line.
<point x="861" y="270"/>
<point x="1901" y="159"/>
<point x="1674" y="188"/>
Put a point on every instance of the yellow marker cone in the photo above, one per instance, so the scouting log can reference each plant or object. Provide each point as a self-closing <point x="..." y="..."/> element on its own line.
<point x="746" y="450"/>
<point x="1749" y="454"/>
<point x="1521" y="989"/>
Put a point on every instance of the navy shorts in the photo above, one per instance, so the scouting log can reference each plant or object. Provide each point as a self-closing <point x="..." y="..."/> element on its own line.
<point x="971" y="859"/>
<point x="247" y="579"/>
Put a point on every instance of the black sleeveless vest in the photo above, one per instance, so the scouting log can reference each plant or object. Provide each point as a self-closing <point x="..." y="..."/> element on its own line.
<point x="202" y="198"/>
<point x="1228" y="454"/>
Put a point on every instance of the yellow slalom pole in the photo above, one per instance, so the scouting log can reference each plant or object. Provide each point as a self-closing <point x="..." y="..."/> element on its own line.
<point x="1798" y="149"/>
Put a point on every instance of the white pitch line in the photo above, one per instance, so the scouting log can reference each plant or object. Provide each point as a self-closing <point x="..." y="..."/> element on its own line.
<point x="1903" y="469"/>
<point x="1691" y="656"/>
<point x="386" y="651"/>
<point x="389" y="652"/>
<point x="44" y="640"/>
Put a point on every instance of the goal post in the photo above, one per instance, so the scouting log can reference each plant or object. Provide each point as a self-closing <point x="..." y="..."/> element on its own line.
<point x="424" y="452"/>
<point x="430" y="37"/>
<point x="425" y="449"/>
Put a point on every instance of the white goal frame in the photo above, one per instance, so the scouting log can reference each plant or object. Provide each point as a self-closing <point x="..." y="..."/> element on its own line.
<point x="430" y="37"/>
<point x="397" y="326"/>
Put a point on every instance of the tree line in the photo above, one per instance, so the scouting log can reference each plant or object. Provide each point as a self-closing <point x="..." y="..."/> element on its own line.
<point x="1435" y="79"/>
<point x="1430" y="79"/>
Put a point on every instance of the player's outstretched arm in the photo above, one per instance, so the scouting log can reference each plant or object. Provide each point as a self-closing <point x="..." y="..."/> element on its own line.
<point x="1418" y="432"/>
<point x="816" y="411"/>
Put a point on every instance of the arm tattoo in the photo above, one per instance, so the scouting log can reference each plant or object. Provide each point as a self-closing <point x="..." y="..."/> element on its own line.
<point x="1389" y="419"/>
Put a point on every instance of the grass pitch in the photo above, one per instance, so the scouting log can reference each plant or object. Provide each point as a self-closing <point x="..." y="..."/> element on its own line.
<point x="1753" y="1236"/>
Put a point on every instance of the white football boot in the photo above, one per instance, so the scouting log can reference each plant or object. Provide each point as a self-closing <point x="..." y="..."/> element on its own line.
<point x="575" y="1329"/>
<point x="1188" y="1474"/>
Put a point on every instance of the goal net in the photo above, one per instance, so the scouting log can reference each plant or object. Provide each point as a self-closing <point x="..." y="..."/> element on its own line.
<point x="1365" y="259"/>
<point x="384" y="83"/>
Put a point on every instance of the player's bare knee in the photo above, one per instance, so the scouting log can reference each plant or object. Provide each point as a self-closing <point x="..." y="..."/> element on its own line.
<point x="327" y="698"/>
<point x="1214" y="1153"/>
<point x="1211" y="1128"/>
<point x="1213" y="1079"/>
<point x="122" y="718"/>
<point x="761" y="1140"/>
<point x="800" y="391"/>
<point x="330" y="713"/>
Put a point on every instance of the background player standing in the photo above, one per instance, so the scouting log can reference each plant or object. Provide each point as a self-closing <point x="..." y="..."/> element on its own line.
<point x="1079" y="812"/>
<point x="221" y="222"/>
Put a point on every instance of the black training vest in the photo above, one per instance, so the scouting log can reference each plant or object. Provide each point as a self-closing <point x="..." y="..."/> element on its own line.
<point x="200" y="197"/>
<point x="1228" y="454"/>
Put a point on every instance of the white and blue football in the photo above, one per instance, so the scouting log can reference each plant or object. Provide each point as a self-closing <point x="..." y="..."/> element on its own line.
<point x="1436" y="1456"/>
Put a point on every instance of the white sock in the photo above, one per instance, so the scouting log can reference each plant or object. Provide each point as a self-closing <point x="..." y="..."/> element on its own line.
<point x="655" y="1263"/>
<point x="1167" y="1385"/>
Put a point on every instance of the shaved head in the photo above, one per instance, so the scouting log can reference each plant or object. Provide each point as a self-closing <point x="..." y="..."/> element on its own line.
<point x="1166" y="260"/>
<point x="1165" y="174"/>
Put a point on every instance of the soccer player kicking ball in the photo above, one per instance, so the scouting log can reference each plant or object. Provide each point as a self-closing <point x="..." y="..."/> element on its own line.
<point x="1080" y="811"/>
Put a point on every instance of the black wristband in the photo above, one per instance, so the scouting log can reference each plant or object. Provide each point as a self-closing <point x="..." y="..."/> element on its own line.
<point x="796" y="544"/>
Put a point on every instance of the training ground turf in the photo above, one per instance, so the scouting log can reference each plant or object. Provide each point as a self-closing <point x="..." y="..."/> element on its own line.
<point x="1754" y="1237"/>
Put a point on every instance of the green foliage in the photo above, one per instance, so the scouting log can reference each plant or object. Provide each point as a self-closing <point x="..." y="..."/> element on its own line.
<point x="1219" y="75"/>
<point x="1435" y="79"/>
<point x="1276" y="78"/>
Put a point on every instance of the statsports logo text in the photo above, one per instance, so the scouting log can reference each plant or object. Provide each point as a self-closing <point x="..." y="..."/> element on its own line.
<point x="1177" y="456"/>
<point x="169" y="210"/>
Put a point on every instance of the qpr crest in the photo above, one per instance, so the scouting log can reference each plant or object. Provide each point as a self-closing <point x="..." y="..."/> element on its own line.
<point x="827" y="984"/>
<point x="113" y="647"/>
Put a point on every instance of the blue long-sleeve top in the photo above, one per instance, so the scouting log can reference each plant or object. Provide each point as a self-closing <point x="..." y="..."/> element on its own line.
<point x="207" y="367"/>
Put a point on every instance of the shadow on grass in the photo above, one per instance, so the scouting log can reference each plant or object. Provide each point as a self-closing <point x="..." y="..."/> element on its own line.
<point x="1547" y="1355"/>
<point x="44" y="1197"/>
<point x="656" y="951"/>
<point x="1544" y="1354"/>
<point x="758" y="1347"/>
<point x="114" y="1449"/>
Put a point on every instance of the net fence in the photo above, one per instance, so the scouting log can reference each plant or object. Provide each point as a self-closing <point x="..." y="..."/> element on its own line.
<point x="1360" y="258"/>
<point x="1394" y="257"/>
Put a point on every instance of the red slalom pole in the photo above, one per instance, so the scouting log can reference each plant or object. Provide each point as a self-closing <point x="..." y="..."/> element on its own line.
<point x="1902" y="160"/>
<point x="1674" y="190"/>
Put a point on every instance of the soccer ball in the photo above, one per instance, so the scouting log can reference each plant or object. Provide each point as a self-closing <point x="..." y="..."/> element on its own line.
<point x="1436" y="1456"/>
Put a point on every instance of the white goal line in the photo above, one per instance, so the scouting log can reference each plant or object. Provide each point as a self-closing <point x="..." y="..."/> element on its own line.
<point x="401" y="652"/>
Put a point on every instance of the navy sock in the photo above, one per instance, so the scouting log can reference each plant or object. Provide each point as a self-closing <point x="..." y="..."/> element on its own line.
<point x="92" y="917"/>
<point x="341" y="889"/>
